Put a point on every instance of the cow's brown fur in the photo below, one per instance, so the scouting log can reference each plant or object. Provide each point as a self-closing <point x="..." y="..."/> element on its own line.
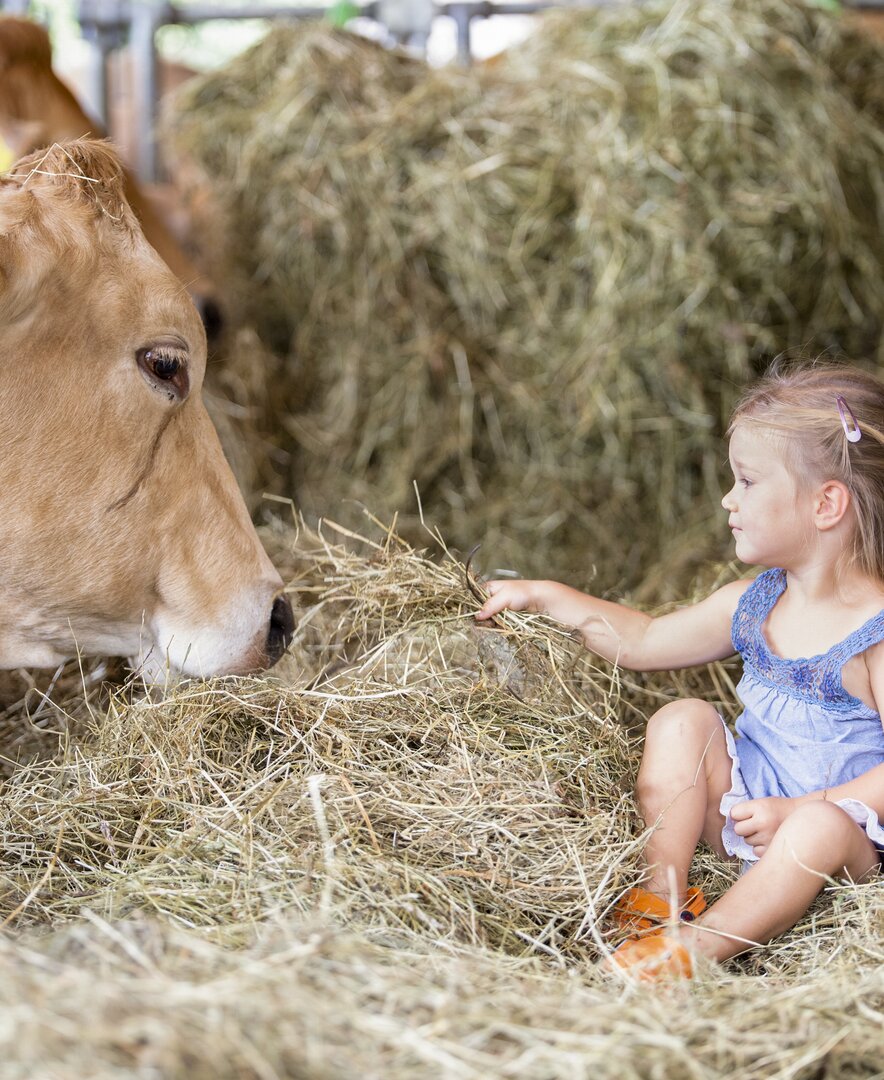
<point x="37" y="110"/>
<point x="121" y="527"/>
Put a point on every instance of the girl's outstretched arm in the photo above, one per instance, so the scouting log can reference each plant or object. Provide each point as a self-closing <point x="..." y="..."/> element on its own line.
<point x="633" y="639"/>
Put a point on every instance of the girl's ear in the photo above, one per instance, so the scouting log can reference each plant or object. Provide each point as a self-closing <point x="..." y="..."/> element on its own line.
<point x="831" y="503"/>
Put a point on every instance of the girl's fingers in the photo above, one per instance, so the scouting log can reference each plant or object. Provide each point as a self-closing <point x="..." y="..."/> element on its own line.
<point x="750" y="832"/>
<point x="510" y="595"/>
<point x="490" y="607"/>
<point x="742" y="810"/>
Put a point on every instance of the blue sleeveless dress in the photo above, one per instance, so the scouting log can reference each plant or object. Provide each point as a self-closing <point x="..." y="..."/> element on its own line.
<point x="800" y="730"/>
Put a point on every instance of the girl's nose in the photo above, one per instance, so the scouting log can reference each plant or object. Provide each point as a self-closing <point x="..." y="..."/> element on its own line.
<point x="727" y="500"/>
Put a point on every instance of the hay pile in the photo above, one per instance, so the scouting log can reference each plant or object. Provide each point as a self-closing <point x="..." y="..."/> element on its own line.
<point x="452" y="766"/>
<point x="143" y="999"/>
<point x="536" y="288"/>
<point x="390" y="858"/>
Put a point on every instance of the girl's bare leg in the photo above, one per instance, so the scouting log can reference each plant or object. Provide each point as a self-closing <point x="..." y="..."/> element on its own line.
<point x="816" y="841"/>
<point x="685" y="770"/>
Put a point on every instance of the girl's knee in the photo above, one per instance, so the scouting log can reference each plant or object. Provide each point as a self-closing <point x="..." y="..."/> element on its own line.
<point x="688" y="717"/>
<point x="822" y="836"/>
<point x="679" y="737"/>
<point x="819" y="818"/>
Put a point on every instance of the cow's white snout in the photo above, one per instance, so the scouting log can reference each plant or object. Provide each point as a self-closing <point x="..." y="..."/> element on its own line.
<point x="249" y="635"/>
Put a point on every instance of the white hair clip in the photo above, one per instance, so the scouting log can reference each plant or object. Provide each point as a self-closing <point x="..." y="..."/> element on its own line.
<point x="851" y="428"/>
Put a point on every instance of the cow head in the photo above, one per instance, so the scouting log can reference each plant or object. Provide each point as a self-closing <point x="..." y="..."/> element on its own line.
<point x="122" y="531"/>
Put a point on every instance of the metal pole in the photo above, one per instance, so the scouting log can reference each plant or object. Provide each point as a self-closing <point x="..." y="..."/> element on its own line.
<point x="462" y="16"/>
<point x="146" y="17"/>
<point x="104" y="25"/>
<point x="98" y="85"/>
<point x="197" y="13"/>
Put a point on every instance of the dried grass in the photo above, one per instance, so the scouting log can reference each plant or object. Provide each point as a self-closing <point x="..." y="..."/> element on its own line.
<point x="392" y="857"/>
<point x="536" y="288"/>
<point x="457" y="766"/>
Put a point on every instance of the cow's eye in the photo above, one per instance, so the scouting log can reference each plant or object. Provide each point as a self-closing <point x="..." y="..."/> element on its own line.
<point x="164" y="367"/>
<point x="165" y="371"/>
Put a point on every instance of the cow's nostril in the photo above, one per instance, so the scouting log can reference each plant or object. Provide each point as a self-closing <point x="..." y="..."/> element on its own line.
<point x="282" y="628"/>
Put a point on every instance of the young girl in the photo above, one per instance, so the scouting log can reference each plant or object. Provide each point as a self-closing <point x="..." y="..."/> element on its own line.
<point x="798" y="795"/>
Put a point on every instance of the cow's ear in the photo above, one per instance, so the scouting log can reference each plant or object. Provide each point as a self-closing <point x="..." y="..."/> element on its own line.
<point x="23" y="42"/>
<point x="84" y="170"/>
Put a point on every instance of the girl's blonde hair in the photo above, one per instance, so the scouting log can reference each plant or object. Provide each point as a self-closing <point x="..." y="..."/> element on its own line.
<point x="800" y="404"/>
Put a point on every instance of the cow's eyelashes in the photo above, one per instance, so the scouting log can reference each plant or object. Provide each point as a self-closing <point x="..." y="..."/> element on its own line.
<point x="166" y="371"/>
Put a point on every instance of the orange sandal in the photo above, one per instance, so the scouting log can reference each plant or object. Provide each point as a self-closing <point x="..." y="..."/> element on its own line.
<point x="652" y="958"/>
<point x="641" y="912"/>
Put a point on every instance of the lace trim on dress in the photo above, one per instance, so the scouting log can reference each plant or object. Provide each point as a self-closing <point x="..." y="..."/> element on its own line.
<point x="814" y="678"/>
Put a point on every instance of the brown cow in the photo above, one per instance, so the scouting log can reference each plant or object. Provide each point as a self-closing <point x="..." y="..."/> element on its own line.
<point x="37" y="109"/>
<point x="122" y="530"/>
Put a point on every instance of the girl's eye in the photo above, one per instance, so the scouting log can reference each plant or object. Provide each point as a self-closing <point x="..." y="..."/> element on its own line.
<point x="746" y="483"/>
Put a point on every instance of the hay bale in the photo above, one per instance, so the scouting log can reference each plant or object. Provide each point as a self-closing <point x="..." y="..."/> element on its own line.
<point x="536" y="289"/>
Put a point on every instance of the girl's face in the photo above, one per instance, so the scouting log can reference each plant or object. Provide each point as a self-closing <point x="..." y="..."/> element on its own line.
<point x="770" y="517"/>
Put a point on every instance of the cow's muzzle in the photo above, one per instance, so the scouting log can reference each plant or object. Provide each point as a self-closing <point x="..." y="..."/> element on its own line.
<point x="282" y="629"/>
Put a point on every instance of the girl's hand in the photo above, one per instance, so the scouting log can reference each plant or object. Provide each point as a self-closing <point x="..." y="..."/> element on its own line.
<point x="692" y="635"/>
<point x="514" y="595"/>
<point x="756" y="820"/>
